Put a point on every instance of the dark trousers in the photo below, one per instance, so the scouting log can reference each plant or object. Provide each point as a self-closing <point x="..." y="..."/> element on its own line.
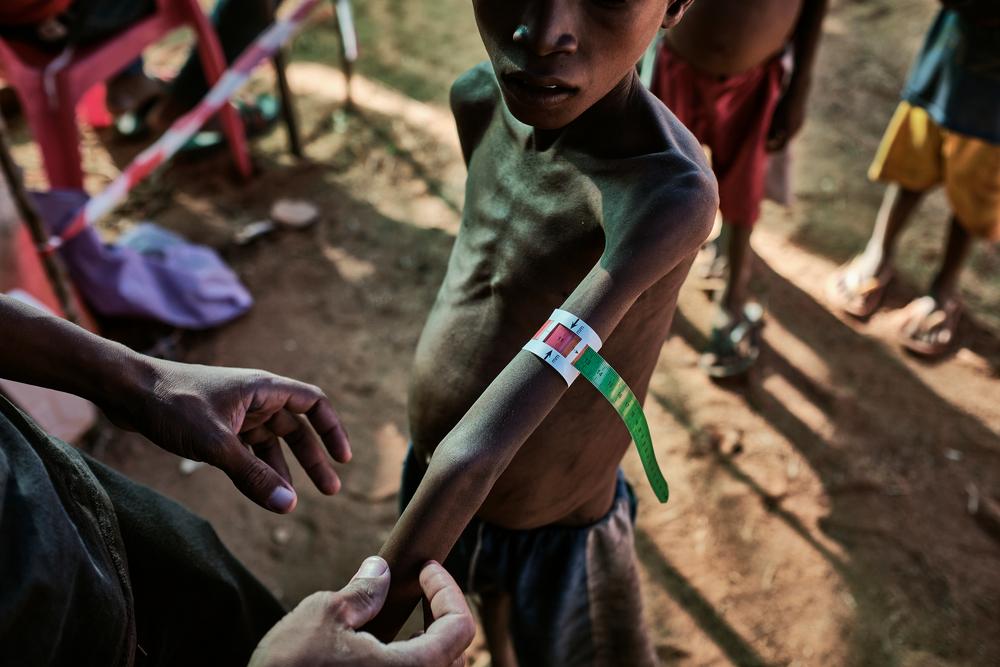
<point x="195" y="604"/>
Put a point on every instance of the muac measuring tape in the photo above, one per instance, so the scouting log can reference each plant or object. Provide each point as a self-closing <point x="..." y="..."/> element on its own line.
<point x="570" y="346"/>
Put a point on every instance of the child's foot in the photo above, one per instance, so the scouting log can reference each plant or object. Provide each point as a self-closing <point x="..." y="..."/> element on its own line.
<point x="930" y="325"/>
<point x="734" y="343"/>
<point x="858" y="287"/>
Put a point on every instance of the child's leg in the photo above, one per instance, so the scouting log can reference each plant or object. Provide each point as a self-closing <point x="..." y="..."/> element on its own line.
<point x="859" y="287"/>
<point x="932" y="320"/>
<point x="959" y="243"/>
<point x="734" y="342"/>
<point x="495" y="609"/>
<point x="896" y="211"/>
<point x="736" y="238"/>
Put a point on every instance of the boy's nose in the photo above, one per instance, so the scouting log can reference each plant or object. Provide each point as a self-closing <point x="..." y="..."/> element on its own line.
<point x="547" y="29"/>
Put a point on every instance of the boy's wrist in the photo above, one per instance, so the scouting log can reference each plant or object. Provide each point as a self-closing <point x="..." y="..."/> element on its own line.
<point x="798" y="85"/>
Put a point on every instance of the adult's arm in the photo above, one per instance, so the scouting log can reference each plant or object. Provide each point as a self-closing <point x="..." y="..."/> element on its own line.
<point x="470" y="459"/>
<point x="231" y="418"/>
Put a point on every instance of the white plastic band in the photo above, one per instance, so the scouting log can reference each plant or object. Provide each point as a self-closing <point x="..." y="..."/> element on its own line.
<point x="553" y="357"/>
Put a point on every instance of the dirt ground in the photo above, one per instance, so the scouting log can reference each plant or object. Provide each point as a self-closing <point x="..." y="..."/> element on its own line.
<point x="818" y="513"/>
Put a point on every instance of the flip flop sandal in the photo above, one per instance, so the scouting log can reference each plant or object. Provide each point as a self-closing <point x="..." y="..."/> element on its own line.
<point x="258" y="118"/>
<point x="734" y="347"/>
<point x="855" y="295"/>
<point x="929" y="329"/>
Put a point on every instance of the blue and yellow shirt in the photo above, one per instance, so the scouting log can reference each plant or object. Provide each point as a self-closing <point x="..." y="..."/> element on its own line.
<point x="956" y="77"/>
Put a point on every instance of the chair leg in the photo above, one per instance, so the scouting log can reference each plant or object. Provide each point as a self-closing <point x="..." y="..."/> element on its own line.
<point x="214" y="64"/>
<point x="58" y="137"/>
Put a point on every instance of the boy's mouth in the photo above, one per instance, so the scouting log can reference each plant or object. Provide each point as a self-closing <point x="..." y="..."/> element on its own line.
<point x="539" y="91"/>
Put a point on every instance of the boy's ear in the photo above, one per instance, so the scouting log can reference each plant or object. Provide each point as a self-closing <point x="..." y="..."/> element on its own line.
<point x="675" y="12"/>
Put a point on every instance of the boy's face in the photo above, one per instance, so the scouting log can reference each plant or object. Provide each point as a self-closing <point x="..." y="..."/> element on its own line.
<point x="556" y="58"/>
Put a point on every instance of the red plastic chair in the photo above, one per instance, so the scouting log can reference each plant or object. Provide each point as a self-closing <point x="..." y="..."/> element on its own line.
<point x="52" y="114"/>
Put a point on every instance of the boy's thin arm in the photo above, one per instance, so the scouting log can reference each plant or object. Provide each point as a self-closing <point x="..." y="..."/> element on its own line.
<point x="806" y="38"/>
<point x="476" y="452"/>
<point x="790" y="114"/>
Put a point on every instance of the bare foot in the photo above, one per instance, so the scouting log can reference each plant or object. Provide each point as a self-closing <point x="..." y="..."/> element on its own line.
<point x="930" y="325"/>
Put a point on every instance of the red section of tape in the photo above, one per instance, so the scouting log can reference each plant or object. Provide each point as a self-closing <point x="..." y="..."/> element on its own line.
<point x="562" y="340"/>
<point x="538" y="334"/>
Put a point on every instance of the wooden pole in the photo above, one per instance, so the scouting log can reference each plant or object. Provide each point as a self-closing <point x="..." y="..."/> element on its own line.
<point x="287" y="105"/>
<point x="29" y="214"/>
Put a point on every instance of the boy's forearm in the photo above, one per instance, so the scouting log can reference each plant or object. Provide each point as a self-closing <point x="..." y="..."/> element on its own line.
<point x="808" y="31"/>
<point x="41" y="349"/>
<point x="461" y="474"/>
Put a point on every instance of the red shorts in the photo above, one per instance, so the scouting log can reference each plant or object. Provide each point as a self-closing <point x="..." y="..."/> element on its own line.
<point x="729" y="114"/>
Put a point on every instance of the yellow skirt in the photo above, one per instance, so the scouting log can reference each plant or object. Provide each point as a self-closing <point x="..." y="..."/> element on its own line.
<point x="918" y="154"/>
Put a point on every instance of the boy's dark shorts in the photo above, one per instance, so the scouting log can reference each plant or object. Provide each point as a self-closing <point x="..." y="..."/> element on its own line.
<point x="574" y="589"/>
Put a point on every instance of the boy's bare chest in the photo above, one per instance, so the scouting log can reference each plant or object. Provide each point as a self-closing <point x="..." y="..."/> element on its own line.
<point x="527" y="215"/>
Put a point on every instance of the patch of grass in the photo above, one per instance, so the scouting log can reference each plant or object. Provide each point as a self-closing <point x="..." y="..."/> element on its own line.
<point x="416" y="46"/>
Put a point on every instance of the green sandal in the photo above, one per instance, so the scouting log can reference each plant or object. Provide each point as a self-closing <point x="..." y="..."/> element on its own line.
<point x="734" y="345"/>
<point x="258" y="118"/>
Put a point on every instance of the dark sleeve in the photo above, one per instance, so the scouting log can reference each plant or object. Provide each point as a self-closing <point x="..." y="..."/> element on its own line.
<point x="984" y="12"/>
<point x="61" y="598"/>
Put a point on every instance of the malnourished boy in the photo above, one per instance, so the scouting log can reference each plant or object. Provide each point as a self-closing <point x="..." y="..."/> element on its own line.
<point x="586" y="194"/>
<point x="723" y="73"/>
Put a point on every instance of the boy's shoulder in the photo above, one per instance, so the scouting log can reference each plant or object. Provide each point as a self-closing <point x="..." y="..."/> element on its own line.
<point x="476" y="86"/>
<point x="474" y="97"/>
<point x="669" y="187"/>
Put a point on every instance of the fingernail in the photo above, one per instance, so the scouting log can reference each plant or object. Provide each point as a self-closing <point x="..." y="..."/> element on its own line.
<point x="372" y="567"/>
<point x="282" y="499"/>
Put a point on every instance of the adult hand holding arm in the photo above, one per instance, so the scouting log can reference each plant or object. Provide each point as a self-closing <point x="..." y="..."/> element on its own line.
<point x="322" y="631"/>
<point x="230" y="418"/>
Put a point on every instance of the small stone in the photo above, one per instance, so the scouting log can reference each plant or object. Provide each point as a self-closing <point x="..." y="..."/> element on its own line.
<point x="281" y="535"/>
<point x="953" y="455"/>
<point x="294" y="213"/>
<point x="253" y="231"/>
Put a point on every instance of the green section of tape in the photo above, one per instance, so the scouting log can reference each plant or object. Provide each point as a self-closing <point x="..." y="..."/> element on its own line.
<point x="607" y="381"/>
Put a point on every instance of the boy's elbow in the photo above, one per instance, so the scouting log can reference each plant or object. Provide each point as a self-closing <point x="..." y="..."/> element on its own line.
<point x="463" y="468"/>
<point x="706" y="191"/>
<point x="701" y="203"/>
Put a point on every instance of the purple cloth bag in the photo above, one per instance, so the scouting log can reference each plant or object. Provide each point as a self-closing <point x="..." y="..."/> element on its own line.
<point x="150" y="273"/>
